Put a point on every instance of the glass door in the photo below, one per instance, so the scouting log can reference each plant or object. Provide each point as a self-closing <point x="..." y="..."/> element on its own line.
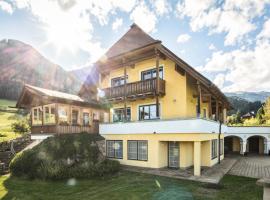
<point x="174" y="154"/>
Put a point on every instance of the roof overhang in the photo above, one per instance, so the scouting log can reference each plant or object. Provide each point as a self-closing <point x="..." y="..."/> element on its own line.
<point x="30" y="98"/>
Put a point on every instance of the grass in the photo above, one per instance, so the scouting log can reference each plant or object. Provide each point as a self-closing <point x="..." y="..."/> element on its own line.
<point x="129" y="185"/>
<point x="7" y="117"/>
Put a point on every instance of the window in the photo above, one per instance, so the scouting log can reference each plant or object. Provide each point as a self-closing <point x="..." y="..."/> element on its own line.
<point x="63" y="115"/>
<point x="118" y="81"/>
<point x="37" y="116"/>
<point x="148" y="112"/>
<point x="138" y="150"/>
<point x="49" y="117"/>
<point x="114" y="149"/>
<point x="86" y="119"/>
<point x="214" y="149"/>
<point x="119" y="114"/>
<point x="221" y="146"/>
<point x="75" y="117"/>
<point x="149" y="74"/>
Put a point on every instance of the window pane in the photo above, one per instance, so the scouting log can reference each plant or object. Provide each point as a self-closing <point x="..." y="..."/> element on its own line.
<point x="63" y="116"/>
<point x="75" y="115"/>
<point x="141" y="113"/>
<point x="142" y="150"/>
<point x="153" y="111"/>
<point x="110" y="149"/>
<point x="85" y="119"/>
<point x="118" y="148"/>
<point x="132" y="150"/>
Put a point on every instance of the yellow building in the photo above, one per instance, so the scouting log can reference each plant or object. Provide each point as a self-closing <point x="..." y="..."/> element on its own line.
<point x="170" y="121"/>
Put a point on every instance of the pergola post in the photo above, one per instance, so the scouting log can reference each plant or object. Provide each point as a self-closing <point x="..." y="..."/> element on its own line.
<point x="210" y="107"/>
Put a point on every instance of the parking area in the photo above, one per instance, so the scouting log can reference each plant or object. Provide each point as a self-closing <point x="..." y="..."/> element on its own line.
<point x="254" y="166"/>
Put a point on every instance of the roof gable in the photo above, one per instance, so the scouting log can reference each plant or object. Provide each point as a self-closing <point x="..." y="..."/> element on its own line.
<point x="135" y="38"/>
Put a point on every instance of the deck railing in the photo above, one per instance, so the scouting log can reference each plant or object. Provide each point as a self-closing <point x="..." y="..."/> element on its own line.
<point x="134" y="89"/>
<point x="62" y="129"/>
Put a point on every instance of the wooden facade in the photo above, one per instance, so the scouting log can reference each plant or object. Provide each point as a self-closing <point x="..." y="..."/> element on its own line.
<point x="53" y="112"/>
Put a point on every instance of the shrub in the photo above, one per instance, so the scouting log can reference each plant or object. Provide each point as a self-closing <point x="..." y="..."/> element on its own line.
<point x="65" y="156"/>
<point x="20" y="126"/>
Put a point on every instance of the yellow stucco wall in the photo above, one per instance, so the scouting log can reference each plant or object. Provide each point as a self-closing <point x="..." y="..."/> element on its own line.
<point x="261" y="145"/>
<point x="158" y="149"/>
<point x="173" y="104"/>
<point x="236" y="144"/>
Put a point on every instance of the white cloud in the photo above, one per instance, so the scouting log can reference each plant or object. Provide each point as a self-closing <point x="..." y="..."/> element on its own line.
<point x="161" y="6"/>
<point x="212" y="47"/>
<point x="183" y="38"/>
<point x="234" y="18"/>
<point x="144" y="17"/>
<point x="117" y="24"/>
<point x="5" y="6"/>
<point x="243" y="69"/>
<point x="219" y="80"/>
<point x="265" y="33"/>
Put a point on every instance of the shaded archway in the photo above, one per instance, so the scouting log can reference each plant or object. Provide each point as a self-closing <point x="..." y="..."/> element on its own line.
<point x="255" y="144"/>
<point x="232" y="144"/>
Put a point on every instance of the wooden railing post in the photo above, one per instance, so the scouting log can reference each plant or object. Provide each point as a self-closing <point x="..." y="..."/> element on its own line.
<point x="157" y="82"/>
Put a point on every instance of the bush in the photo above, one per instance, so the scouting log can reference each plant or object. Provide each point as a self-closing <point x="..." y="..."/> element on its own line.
<point x="61" y="157"/>
<point x="20" y="126"/>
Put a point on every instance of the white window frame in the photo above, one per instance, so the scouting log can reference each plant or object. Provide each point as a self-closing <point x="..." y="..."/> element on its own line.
<point x="114" y="148"/>
<point x="140" y="157"/>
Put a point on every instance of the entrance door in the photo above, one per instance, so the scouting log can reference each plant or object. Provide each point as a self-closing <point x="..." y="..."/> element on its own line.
<point x="174" y="154"/>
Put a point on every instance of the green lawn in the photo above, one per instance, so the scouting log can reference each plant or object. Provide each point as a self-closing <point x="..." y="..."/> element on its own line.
<point x="128" y="185"/>
<point x="7" y="117"/>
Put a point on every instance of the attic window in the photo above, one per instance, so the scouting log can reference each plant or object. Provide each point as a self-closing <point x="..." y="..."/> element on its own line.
<point x="180" y="70"/>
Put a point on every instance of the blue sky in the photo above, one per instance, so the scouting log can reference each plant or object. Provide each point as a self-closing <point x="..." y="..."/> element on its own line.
<point x="228" y="41"/>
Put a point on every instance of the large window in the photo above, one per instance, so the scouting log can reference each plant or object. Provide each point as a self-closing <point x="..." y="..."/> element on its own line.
<point x="221" y="146"/>
<point x="49" y="112"/>
<point x="148" y="112"/>
<point x="137" y="150"/>
<point x="118" y="81"/>
<point x="119" y="114"/>
<point x="114" y="149"/>
<point x="75" y="117"/>
<point x="214" y="149"/>
<point x="63" y="115"/>
<point x="37" y="116"/>
<point x="152" y="73"/>
<point x="86" y="120"/>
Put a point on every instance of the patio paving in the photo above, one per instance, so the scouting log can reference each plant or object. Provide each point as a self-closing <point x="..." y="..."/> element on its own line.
<point x="253" y="166"/>
<point x="208" y="174"/>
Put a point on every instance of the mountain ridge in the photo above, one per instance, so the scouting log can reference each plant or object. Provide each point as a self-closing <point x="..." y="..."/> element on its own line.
<point x="21" y="64"/>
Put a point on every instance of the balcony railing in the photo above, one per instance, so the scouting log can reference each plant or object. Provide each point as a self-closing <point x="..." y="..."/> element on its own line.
<point x="135" y="90"/>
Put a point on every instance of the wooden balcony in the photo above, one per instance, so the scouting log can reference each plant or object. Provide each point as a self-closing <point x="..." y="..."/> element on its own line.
<point x="135" y="90"/>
